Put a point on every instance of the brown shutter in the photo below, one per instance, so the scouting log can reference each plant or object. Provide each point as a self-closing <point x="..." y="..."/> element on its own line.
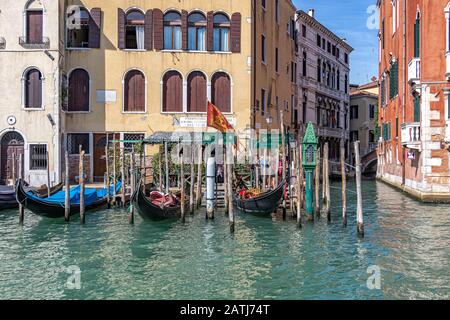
<point x="236" y="32"/>
<point x="33" y="89"/>
<point x="121" y="28"/>
<point x="134" y="91"/>
<point x="184" y="29"/>
<point x="197" y="98"/>
<point x="158" y="29"/>
<point x="95" y="23"/>
<point x="79" y="91"/>
<point x="172" y="92"/>
<point x="34" y="26"/>
<point x="210" y="31"/>
<point x="149" y="30"/>
<point x="221" y="91"/>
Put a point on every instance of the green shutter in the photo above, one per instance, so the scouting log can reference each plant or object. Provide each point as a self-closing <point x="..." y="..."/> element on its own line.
<point x="382" y="92"/>
<point x="396" y="127"/>
<point x="393" y="81"/>
<point x="417" y="39"/>
<point x="417" y="109"/>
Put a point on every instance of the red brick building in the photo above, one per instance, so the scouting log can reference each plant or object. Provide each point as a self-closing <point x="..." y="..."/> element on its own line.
<point x="414" y="117"/>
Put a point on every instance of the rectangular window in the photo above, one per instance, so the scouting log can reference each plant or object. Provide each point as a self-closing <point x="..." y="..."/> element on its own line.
<point x="319" y="40"/>
<point x="371" y="136"/>
<point x="129" y="137"/>
<point x="346" y="57"/>
<point x="263" y="102"/>
<point x="396" y="127"/>
<point x="354" y="112"/>
<point x="276" y="60"/>
<point x="372" y="111"/>
<point x="263" y="3"/>
<point x="74" y="140"/>
<point x="329" y="46"/>
<point x="303" y="31"/>
<point x="417" y="38"/>
<point x="393" y="81"/>
<point x="38" y="157"/>
<point x="277" y="11"/>
<point x="263" y="48"/>
<point x="323" y="44"/>
<point x="382" y="91"/>
<point x="34" y="27"/>
<point x="354" y="136"/>
<point x="416" y="109"/>
<point x="382" y="34"/>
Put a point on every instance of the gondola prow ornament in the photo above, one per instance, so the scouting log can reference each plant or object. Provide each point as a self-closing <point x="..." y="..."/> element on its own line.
<point x="309" y="164"/>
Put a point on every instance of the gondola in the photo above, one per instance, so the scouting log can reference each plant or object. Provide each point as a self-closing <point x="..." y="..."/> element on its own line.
<point x="8" y="195"/>
<point x="264" y="204"/>
<point x="149" y="211"/>
<point x="53" y="206"/>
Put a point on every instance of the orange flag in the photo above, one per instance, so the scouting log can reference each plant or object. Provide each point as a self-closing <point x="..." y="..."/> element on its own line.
<point x="217" y="120"/>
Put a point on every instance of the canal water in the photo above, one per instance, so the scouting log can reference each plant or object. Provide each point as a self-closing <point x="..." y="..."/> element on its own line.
<point x="406" y="241"/>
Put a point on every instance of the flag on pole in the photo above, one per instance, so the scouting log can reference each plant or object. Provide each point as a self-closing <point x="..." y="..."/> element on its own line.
<point x="217" y="120"/>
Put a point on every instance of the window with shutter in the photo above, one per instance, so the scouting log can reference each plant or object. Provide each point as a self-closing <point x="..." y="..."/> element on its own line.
<point x="158" y="29"/>
<point x="33" y="89"/>
<point x="121" y="28"/>
<point x="235" y="32"/>
<point x="417" y="38"/>
<point x="135" y="30"/>
<point x="79" y="32"/>
<point x="95" y="22"/>
<point x="221" y="30"/>
<point x="134" y="91"/>
<point x="197" y="96"/>
<point x="416" y="109"/>
<point x="148" y="30"/>
<point x="221" y="91"/>
<point x="34" y="27"/>
<point x="172" y="31"/>
<point x="393" y="81"/>
<point x="172" y="92"/>
<point x="78" y="91"/>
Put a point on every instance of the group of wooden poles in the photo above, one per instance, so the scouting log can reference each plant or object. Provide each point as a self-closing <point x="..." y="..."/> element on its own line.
<point x="229" y="176"/>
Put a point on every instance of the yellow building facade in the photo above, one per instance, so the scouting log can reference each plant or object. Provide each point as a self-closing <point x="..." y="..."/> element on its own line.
<point x="138" y="67"/>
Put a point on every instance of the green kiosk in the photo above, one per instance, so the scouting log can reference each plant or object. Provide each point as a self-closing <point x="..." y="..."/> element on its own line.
<point x="309" y="164"/>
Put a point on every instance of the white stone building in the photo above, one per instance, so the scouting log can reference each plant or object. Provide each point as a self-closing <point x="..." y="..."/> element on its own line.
<point x="323" y="82"/>
<point x="30" y="62"/>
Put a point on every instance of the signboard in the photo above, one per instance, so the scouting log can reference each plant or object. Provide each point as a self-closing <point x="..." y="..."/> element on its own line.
<point x="200" y="122"/>
<point x="106" y="96"/>
<point x="411" y="155"/>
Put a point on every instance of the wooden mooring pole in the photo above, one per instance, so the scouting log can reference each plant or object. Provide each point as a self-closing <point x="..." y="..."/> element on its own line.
<point x="199" y="176"/>
<point x="81" y="182"/>
<point x="192" y="181"/>
<point x="21" y="207"/>
<point x="283" y="157"/>
<point x="359" y="206"/>
<point x="231" y="214"/>
<point x="317" y="186"/>
<point x="13" y="169"/>
<point x="344" y="187"/>
<point x="67" y="187"/>
<point x="114" y="199"/>
<point x="159" y="169"/>
<point x="122" y="174"/>
<point x="132" y="184"/>
<point x="225" y="182"/>
<point x="326" y="181"/>
<point x="166" y="159"/>
<point x="183" y="192"/>
<point x="299" y="187"/>
<point x="48" y="173"/>
<point x="107" y="181"/>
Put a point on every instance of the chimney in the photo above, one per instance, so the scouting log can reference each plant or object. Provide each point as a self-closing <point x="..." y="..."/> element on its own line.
<point x="311" y="13"/>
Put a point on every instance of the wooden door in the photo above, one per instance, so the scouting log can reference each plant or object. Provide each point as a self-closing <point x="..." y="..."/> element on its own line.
<point x="34" y="26"/>
<point x="12" y="146"/>
<point x="99" y="157"/>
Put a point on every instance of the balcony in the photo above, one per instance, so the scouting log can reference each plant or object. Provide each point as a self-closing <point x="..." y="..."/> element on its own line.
<point x="411" y="135"/>
<point x="2" y="43"/>
<point x="414" y="71"/>
<point x="33" y="44"/>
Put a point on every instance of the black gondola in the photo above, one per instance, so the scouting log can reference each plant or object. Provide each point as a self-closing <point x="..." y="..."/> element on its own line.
<point x="264" y="204"/>
<point x="148" y="210"/>
<point x="44" y="208"/>
<point x="8" y="195"/>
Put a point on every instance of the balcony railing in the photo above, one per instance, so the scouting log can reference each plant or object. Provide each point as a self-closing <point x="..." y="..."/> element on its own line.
<point x="411" y="135"/>
<point x="34" y="44"/>
<point x="414" y="70"/>
<point x="2" y="43"/>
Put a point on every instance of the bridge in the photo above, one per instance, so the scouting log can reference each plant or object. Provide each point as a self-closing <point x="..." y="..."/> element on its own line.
<point x="369" y="162"/>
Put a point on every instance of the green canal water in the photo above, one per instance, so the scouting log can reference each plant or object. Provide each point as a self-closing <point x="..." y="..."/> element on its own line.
<point x="266" y="258"/>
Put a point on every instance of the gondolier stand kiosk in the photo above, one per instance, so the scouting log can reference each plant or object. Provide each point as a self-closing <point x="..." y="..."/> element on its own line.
<point x="309" y="163"/>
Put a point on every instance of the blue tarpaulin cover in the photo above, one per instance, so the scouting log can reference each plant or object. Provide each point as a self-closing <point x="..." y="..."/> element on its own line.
<point x="91" y="195"/>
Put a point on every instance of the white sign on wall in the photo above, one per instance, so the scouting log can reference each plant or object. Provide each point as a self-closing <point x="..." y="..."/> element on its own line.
<point x="200" y="122"/>
<point x="411" y="155"/>
<point x="106" y="96"/>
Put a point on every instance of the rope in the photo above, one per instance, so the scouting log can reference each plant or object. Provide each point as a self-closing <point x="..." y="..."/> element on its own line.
<point x="337" y="188"/>
<point x="347" y="164"/>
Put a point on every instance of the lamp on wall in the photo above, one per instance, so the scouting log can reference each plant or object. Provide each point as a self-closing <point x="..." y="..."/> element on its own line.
<point x="50" y="118"/>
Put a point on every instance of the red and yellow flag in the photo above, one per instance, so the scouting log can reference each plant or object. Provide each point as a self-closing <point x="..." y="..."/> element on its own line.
<point x="217" y="120"/>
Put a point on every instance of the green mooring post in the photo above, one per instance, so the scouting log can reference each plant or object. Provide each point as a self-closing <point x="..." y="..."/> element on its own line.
<point x="309" y="163"/>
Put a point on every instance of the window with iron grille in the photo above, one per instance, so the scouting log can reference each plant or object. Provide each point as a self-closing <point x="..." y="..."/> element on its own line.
<point x="74" y="140"/>
<point x="38" y="157"/>
<point x="128" y="146"/>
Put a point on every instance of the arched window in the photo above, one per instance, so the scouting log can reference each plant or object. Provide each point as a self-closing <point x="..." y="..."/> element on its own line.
<point x="221" y="33"/>
<point x="78" y="28"/>
<point x="34" y="23"/>
<point x="135" y="30"/>
<point x="79" y="91"/>
<point x="33" y="89"/>
<point x="172" y="31"/>
<point x="197" y="98"/>
<point x="304" y="64"/>
<point x="172" y="92"/>
<point x="134" y="91"/>
<point x="197" y="32"/>
<point x="221" y="91"/>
